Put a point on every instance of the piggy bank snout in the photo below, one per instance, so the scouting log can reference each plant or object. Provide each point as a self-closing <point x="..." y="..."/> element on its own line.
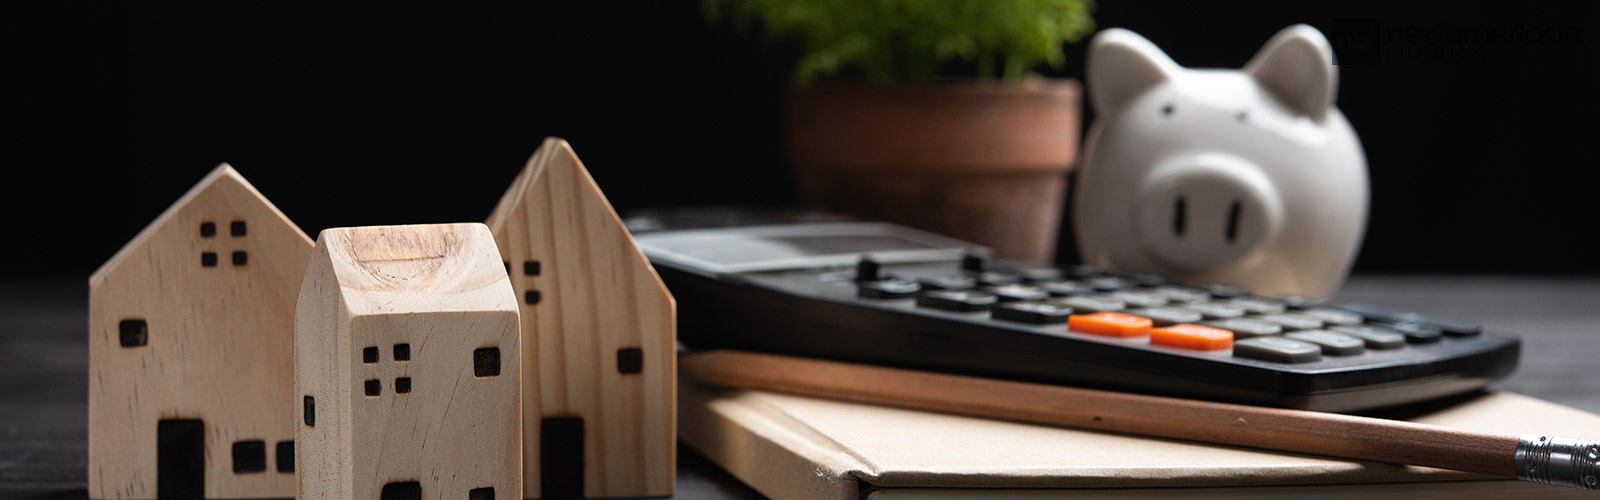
<point x="1207" y="211"/>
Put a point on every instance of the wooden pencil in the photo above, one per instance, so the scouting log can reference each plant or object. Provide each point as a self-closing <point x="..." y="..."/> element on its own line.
<point x="1545" y="459"/>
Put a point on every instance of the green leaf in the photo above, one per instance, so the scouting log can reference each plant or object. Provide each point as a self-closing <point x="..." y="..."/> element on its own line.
<point x="905" y="41"/>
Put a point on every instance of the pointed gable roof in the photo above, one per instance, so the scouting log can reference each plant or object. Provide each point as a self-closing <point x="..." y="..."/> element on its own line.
<point x="556" y="154"/>
<point x="224" y="174"/>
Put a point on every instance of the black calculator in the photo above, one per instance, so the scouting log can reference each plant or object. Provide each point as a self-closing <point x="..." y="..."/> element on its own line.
<point x="890" y="295"/>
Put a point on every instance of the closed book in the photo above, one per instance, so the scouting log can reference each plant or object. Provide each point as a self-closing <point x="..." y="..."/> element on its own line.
<point x="794" y="447"/>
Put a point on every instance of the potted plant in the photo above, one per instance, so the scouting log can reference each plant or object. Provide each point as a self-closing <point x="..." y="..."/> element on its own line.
<point x="983" y="158"/>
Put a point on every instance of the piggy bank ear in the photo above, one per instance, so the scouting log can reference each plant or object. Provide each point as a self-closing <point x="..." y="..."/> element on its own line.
<point x="1296" y="66"/>
<point x="1121" y="66"/>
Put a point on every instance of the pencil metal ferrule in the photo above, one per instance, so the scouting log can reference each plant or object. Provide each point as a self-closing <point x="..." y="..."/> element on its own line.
<point x="1559" y="461"/>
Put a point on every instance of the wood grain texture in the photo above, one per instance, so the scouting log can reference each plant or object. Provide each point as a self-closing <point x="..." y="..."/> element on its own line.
<point x="429" y="411"/>
<point x="596" y="295"/>
<point x="1270" y="428"/>
<point x="217" y="341"/>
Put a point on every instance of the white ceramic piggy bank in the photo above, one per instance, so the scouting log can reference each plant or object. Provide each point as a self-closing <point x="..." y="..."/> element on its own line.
<point x="1248" y="177"/>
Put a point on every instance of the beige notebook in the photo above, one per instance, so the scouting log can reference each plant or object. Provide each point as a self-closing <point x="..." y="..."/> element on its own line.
<point x="794" y="447"/>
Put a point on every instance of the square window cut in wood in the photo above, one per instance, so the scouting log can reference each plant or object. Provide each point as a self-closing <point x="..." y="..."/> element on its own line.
<point x="249" y="456"/>
<point x="133" y="332"/>
<point x="486" y="362"/>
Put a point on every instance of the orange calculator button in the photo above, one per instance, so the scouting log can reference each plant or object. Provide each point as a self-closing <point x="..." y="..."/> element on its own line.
<point x="1109" y="324"/>
<point x="1186" y="336"/>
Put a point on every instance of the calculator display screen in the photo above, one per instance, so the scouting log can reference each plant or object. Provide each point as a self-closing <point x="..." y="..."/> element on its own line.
<point x="774" y="248"/>
<point x="740" y="251"/>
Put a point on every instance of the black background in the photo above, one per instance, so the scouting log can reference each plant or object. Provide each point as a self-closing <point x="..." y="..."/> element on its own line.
<point x="1482" y="152"/>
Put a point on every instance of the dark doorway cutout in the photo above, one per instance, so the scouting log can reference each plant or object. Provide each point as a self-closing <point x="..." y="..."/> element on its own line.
<point x="311" y="411"/>
<point x="181" y="458"/>
<point x="486" y="362"/>
<point x="285" y="453"/>
<point x="249" y="456"/>
<point x="630" y="360"/>
<point x="133" y="332"/>
<point x="481" y="494"/>
<point x="409" y="490"/>
<point x="561" y="457"/>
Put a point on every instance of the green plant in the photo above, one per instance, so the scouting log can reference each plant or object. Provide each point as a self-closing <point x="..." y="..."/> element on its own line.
<point x="904" y="41"/>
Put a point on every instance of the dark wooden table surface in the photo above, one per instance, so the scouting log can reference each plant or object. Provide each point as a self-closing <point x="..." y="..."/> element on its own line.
<point x="44" y="353"/>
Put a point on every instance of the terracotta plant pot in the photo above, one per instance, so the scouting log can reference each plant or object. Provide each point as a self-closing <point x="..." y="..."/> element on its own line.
<point x="984" y="162"/>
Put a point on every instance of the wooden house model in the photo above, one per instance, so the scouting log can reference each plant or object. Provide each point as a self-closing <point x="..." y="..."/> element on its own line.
<point x="190" y="358"/>
<point x="598" y="337"/>
<point x="407" y="373"/>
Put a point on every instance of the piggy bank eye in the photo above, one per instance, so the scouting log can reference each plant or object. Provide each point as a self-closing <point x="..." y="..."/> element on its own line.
<point x="1242" y="116"/>
<point x="1166" y="110"/>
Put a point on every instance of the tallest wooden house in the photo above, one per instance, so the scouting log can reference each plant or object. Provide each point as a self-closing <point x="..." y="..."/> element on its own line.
<point x="191" y="351"/>
<point x="598" y="338"/>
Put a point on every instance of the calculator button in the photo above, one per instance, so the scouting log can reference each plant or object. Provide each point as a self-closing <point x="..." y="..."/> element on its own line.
<point x="1177" y="293"/>
<point x="1257" y="306"/>
<point x="1292" y="321"/>
<point x="1417" y="333"/>
<point x="1245" y="327"/>
<point x="1090" y="304"/>
<point x="1109" y="324"/>
<point x="1196" y="337"/>
<point x="1110" y="284"/>
<point x="1227" y="291"/>
<point x="1376" y="337"/>
<point x="951" y="282"/>
<point x="1010" y="293"/>
<point x="998" y="278"/>
<point x="1333" y="316"/>
<point x="1336" y="344"/>
<point x="1139" y="298"/>
<point x="1458" y="329"/>
<point x="1390" y="316"/>
<point x="1163" y="316"/>
<point x="868" y="270"/>
<point x="892" y="288"/>
<point x="957" y="300"/>
<point x="1213" y="310"/>
<point x="1066" y="288"/>
<point x="1039" y="274"/>
<point x="1038" y="313"/>
<point x="1455" y="328"/>
<point x="1277" y="349"/>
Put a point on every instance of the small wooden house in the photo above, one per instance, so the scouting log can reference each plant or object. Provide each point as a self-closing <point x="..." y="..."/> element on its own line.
<point x="598" y="337"/>
<point x="407" y="373"/>
<point x="190" y="358"/>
